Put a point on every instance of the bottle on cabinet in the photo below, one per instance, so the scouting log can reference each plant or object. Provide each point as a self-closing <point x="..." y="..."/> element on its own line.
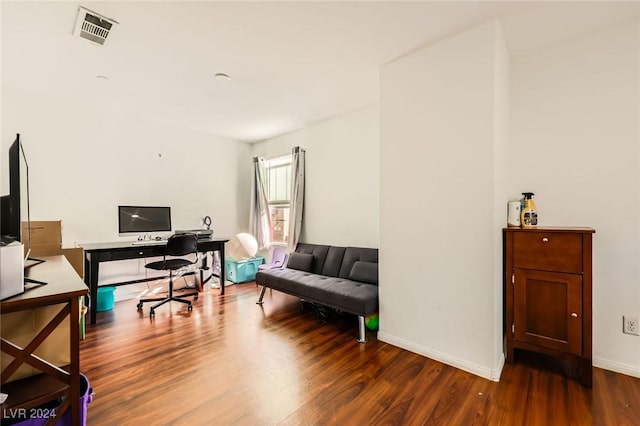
<point x="529" y="213"/>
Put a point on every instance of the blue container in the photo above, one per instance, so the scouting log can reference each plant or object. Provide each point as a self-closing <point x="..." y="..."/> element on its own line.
<point x="106" y="298"/>
<point x="241" y="271"/>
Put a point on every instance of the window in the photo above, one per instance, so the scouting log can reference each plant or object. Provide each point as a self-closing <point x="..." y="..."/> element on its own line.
<point x="278" y="183"/>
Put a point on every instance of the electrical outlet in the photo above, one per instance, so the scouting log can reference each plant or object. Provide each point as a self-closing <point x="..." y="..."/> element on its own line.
<point x="630" y="325"/>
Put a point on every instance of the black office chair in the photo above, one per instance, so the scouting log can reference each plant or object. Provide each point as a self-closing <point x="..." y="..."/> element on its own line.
<point x="177" y="245"/>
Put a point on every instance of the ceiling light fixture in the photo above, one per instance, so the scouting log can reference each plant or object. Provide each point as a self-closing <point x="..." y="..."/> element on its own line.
<point x="222" y="77"/>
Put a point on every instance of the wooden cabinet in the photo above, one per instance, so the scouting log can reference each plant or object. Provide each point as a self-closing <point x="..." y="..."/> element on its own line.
<point x="548" y="283"/>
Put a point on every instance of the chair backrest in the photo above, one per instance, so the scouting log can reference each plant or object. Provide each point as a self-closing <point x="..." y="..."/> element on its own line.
<point x="181" y="245"/>
<point x="279" y="256"/>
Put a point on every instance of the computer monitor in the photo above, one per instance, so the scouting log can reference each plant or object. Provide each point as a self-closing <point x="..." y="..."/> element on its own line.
<point x="143" y="220"/>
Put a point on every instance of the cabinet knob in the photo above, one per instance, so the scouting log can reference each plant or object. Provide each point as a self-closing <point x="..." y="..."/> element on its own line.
<point x="574" y="315"/>
<point x="545" y="240"/>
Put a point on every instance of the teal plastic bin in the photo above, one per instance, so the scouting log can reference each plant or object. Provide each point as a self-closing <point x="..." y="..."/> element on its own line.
<point x="241" y="271"/>
<point x="106" y="298"/>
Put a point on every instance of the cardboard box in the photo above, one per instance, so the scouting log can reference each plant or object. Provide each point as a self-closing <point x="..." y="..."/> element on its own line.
<point x="46" y="240"/>
<point x="43" y="232"/>
<point x="45" y="250"/>
<point x="46" y="237"/>
<point x="75" y="256"/>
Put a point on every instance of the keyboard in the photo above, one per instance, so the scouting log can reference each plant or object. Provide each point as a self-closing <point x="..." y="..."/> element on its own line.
<point x="148" y="242"/>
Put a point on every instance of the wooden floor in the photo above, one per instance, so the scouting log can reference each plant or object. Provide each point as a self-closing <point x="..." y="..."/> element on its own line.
<point x="232" y="362"/>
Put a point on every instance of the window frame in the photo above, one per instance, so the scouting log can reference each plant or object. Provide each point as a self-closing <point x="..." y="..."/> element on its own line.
<point x="271" y="164"/>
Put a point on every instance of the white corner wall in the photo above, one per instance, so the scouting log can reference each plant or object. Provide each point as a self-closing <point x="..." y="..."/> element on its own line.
<point x="576" y="144"/>
<point x="501" y="123"/>
<point x="443" y="132"/>
<point x="84" y="161"/>
<point x="342" y="177"/>
<point x="3" y="189"/>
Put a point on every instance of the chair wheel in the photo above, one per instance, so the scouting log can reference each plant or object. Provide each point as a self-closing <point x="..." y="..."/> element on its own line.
<point x="195" y="298"/>
<point x="190" y="308"/>
<point x="151" y="312"/>
<point x="139" y="305"/>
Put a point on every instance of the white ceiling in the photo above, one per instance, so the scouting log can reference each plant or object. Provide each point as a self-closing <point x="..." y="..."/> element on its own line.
<point x="291" y="63"/>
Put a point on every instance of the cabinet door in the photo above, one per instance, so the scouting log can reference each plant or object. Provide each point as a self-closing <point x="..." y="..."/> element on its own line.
<point x="548" y="309"/>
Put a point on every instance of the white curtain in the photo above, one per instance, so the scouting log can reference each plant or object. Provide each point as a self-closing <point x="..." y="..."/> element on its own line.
<point x="297" y="197"/>
<point x="260" y="220"/>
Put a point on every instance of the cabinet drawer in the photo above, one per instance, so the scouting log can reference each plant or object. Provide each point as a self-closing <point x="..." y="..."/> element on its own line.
<point x="548" y="251"/>
<point x="138" y="253"/>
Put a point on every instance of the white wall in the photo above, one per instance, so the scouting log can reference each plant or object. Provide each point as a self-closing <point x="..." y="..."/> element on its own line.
<point x="441" y="137"/>
<point x="84" y="161"/>
<point x="342" y="177"/>
<point x="3" y="166"/>
<point x="576" y="144"/>
<point x="501" y="122"/>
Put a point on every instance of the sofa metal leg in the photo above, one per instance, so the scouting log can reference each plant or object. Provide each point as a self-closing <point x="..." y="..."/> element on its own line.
<point x="362" y="335"/>
<point x="260" y="302"/>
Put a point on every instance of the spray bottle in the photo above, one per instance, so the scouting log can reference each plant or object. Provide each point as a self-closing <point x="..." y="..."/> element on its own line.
<point x="529" y="214"/>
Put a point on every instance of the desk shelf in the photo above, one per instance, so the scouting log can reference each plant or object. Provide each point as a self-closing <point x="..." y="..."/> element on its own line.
<point x="32" y="392"/>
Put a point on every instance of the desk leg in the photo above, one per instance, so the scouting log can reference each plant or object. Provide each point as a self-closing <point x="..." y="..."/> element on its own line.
<point x="91" y="280"/>
<point x="203" y="267"/>
<point x="222" y="272"/>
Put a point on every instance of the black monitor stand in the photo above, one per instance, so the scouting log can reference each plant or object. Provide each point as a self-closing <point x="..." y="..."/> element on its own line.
<point x="34" y="262"/>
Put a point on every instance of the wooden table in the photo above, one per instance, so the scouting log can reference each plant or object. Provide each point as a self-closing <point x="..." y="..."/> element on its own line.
<point x="65" y="288"/>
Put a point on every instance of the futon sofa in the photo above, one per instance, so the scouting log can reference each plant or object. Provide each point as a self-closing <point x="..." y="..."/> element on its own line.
<point x="343" y="278"/>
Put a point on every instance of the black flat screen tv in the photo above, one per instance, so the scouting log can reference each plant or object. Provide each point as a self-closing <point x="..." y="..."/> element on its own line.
<point x="10" y="206"/>
<point x="143" y="220"/>
<point x="10" y="214"/>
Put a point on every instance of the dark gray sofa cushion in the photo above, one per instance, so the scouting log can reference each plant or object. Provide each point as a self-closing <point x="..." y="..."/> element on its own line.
<point x="343" y="294"/>
<point x="300" y="261"/>
<point x="354" y="254"/>
<point x="366" y="272"/>
<point x="319" y="253"/>
<point x="334" y="261"/>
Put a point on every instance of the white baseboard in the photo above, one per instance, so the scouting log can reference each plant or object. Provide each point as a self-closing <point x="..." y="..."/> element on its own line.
<point x="493" y="374"/>
<point x="498" y="370"/>
<point x="618" y="367"/>
<point x="478" y="370"/>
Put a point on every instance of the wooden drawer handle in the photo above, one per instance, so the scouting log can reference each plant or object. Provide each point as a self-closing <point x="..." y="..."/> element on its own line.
<point x="545" y="240"/>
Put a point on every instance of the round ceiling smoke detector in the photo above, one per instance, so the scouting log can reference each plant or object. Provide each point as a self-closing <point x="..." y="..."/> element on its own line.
<point x="222" y="76"/>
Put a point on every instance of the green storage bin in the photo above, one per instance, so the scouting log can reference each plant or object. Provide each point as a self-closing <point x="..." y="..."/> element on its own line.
<point x="241" y="271"/>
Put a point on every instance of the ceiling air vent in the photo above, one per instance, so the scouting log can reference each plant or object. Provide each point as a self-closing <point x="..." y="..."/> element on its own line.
<point x="92" y="26"/>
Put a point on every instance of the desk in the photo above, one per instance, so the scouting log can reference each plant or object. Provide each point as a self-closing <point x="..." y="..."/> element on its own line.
<point x="65" y="288"/>
<point x="94" y="254"/>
